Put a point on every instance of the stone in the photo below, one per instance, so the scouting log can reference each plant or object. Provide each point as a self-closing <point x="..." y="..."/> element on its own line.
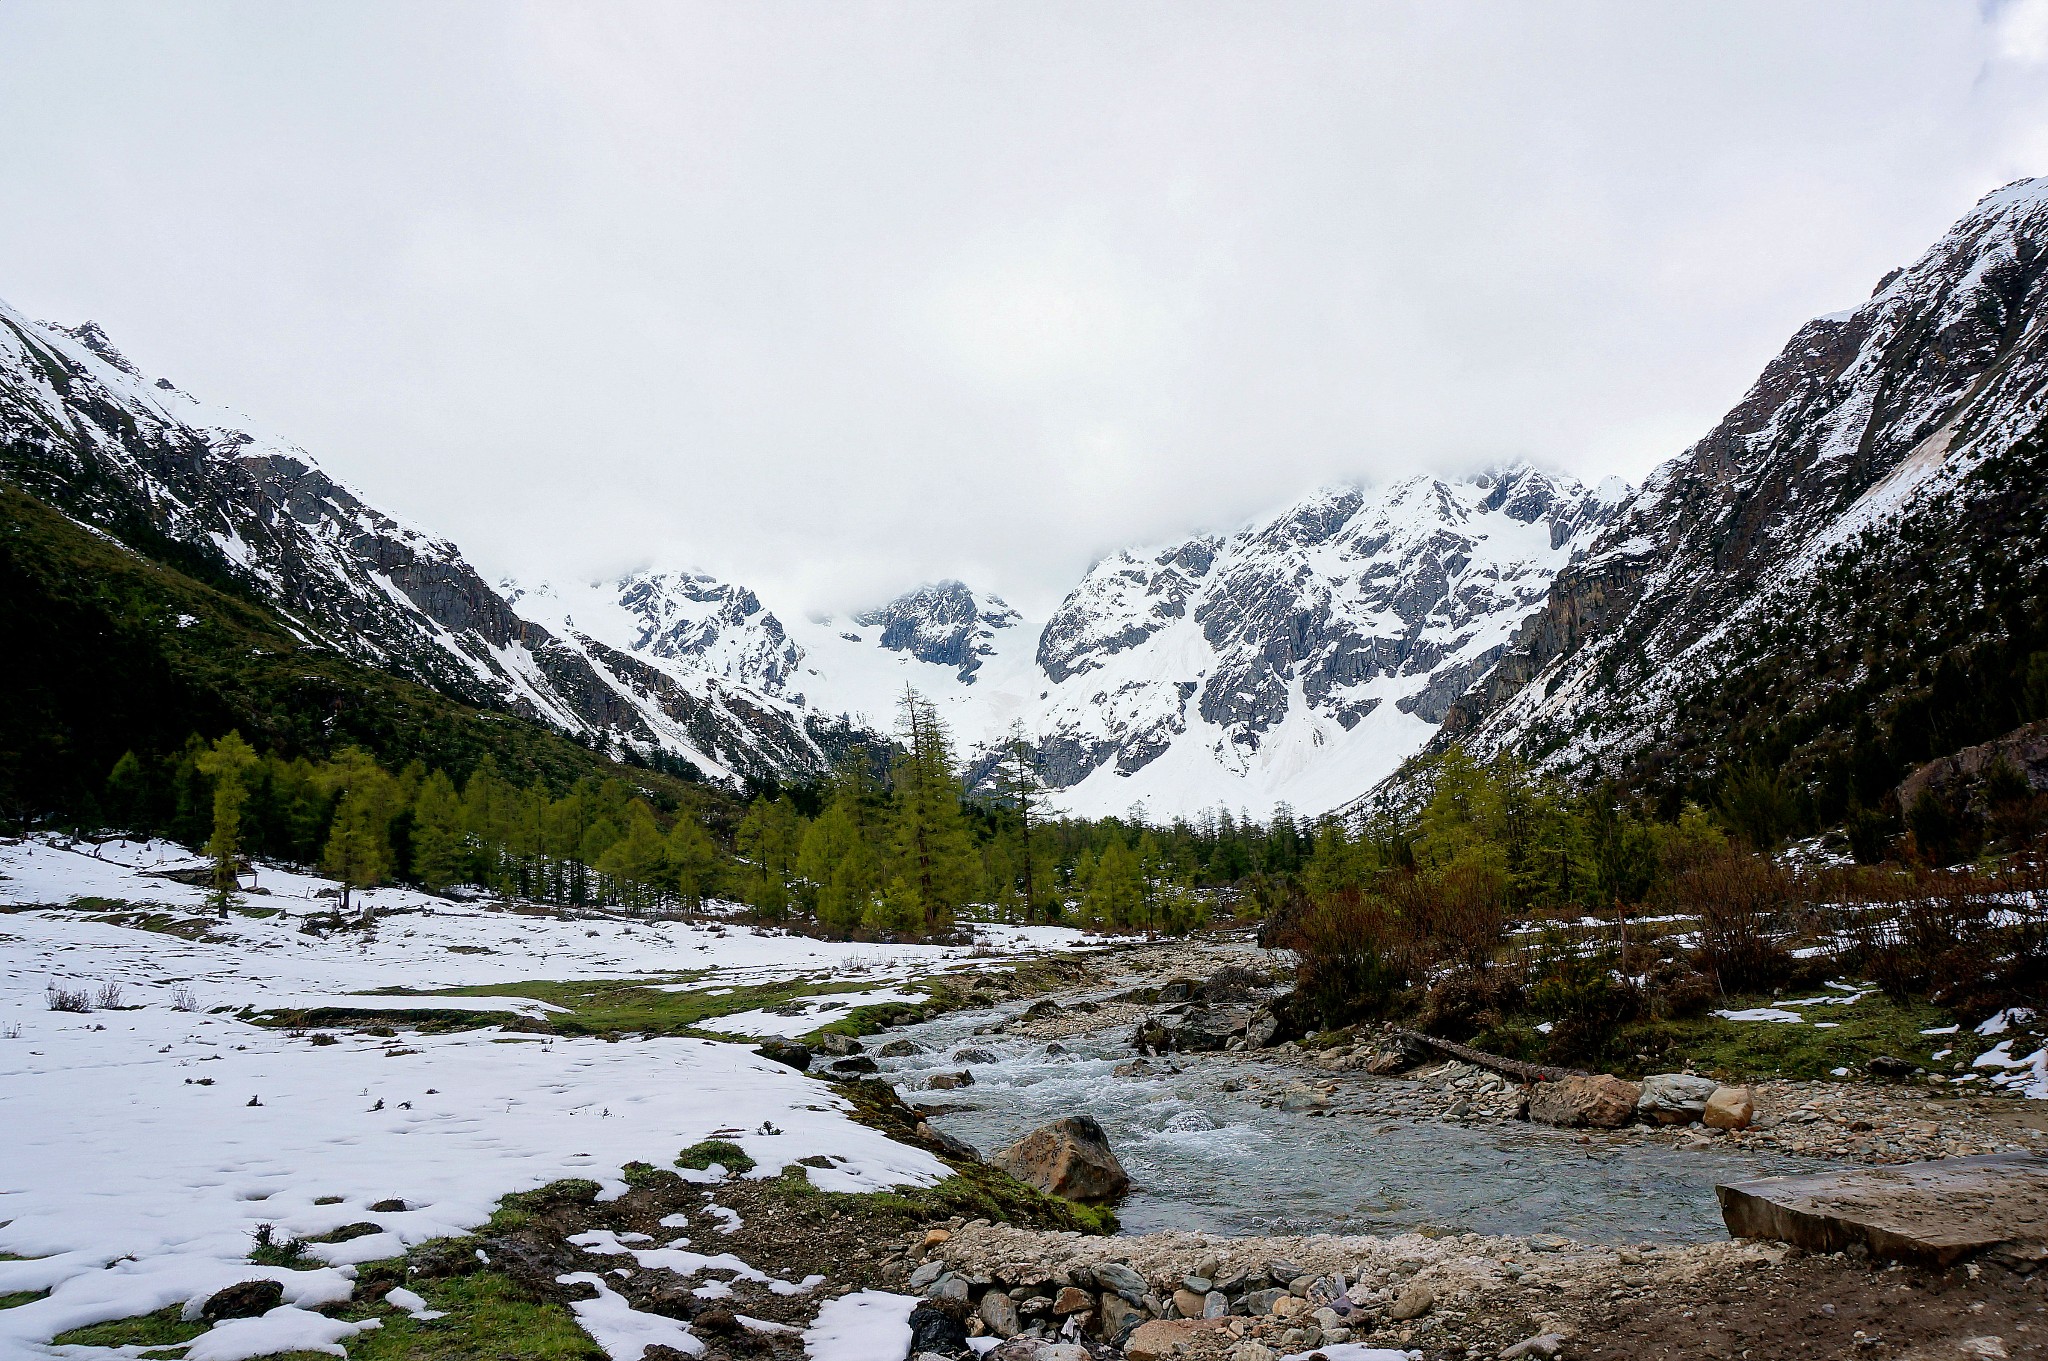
<point x="1121" y="1280"/>
<point x="1254" y="1351"/>
<point x="1069" y="1158"/>
<point x="1215" y="1304"/>
<point x="838" y="1045"/>
<point x="900" y="1049"/>
<point x="1543" y="1344"/>
<point x="1262" y="1301"/>
<point x="858" y="1063"/>
<point x="937" y="1329"/>
<point x="1119" y="1316"/>
<point x="1188" y="1303"/>
<point x="947" y="1082"/>
<point x="999" y="1312"/>
<point x="1930" y="1213"/>
<point x="948" y="1287"/>
<point x="243" y="1299"/>
<point x="1262" y="1029"/>
<point x="1133" y="1068"/>
<point x="1162" y="1339"/>
<point x="926" y="1274"/>
<point x="796" y="1056"/>
<point x="1885" y="1066"/>
<point x="1595" y="1100"/>
<point x="1044" y="1009"/>
<point x="973" y="1056"/>
<point x="1299" y="1097"/>
<point x="1280" y="1269"/>
<point x="1729" y="1108"/>
<point x="1072" y="1300"/>
<point x="1289" y="1306"/>
<point x="1415" y="1300"/>
<point x="1674" y="1098"/>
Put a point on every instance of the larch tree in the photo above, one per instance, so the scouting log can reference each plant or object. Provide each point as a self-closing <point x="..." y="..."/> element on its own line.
<point x="228" y="763"/>
<point x="932" y="851"/>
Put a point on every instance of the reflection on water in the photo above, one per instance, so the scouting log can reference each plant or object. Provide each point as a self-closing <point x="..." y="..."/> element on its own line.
<point x="1214" y="1160"/>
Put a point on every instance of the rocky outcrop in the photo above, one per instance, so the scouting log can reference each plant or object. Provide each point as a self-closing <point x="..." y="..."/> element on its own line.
<point x="944" y="623"/>
<point x="1070" y="1158"/>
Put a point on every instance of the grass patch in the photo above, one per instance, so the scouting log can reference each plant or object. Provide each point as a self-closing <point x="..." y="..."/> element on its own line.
<point x="699" y="1157"/>
<point x="162" y="1329"/>
<point x="431" y="1020"/>
<point x="16" y="1298"/>
<point x="640" y="1006"/>
<point x="1743" y="1050"/>
<point x="487" y="1316"/>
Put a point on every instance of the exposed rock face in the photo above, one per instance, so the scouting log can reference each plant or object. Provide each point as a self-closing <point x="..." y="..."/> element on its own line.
<point x="1069" y="1158"/>
<point x="1597" y="1101"/>
<point x="185" y="483"/>
<point x="944" y="623"/>
<point x="1869" y="422"/>
<point x="1354" y="607"/>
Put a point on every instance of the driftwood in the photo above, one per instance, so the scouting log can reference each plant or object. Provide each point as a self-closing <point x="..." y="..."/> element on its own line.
<point x="1514" y="1068"/>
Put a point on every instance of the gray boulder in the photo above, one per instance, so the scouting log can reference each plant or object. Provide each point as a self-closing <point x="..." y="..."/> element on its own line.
<point x="1674" y="1098"/>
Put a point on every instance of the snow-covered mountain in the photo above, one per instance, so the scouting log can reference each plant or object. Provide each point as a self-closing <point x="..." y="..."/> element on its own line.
<point x="192" y="484"/>
<point x="1297" y="660"/>
<point x="1862" y="448"/>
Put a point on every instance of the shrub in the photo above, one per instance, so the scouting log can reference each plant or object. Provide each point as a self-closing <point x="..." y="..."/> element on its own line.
<point x="1352" y="958"/>
<point x="184" y="999"/>
<point x="265" y="1250"/>
<point x="1745" y="905"/>
<point x="109" y="997"/>
<point x="66" y="999"/>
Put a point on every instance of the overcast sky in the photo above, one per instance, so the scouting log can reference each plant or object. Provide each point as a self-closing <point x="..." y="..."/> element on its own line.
<point x="835" y="298"/>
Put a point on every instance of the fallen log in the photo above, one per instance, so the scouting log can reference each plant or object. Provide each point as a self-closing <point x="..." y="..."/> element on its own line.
<point x="1514" y="1068"/>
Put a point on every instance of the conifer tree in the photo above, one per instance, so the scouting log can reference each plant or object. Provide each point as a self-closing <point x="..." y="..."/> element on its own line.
<point x="691" y="859"/>
<point x="932" y="850"/>
<point x="229" y="763"/>
<point x="768" y="838"/>
<point x="836" y="860"/>
<point x="638" y="861"/>
<point x="438" y="850"/>
<point x="358" y="851"/>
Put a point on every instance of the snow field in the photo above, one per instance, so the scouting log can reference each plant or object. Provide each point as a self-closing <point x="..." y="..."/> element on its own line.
<point x="142" y="1146"/>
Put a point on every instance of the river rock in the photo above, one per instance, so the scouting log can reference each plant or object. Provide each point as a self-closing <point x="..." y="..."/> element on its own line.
<point x="1542" y="1345"/>
<point x="900" y="1049"/>
<point x="1262" y="1301"/>
<point x="1730" y="1108"/>
<point x="1119" y="1279"/>
<point x="934" y="1328"/>
<point x="1163" y="1339"/>
<point x="1413" y="1302"/>
<point x="1299" y="1098"/>
<point x="1262" y="1029"/>
<point x="926" y="1274"/>
<point x="999" y="1312"/>
<point x="1044" y="1009"/>
<point x="1674" y="1098"/>
<point x="946" y="1082"/>
<point x="857" y="1063"/>
<point x="1069" y="1158"/>
<point x="1119" y="1316"/>
<point x="797" y="1056"/>
<point x="1598" y="1100"/>
<point x="1072" y="1300"/>
<point x="973" y="1056"/>
<point x="1189" y="1302"/>
<point x="837" y="1045"/>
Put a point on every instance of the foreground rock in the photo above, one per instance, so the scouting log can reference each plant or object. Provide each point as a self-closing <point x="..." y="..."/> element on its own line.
<point x="1593" y="1101"/>
<point x="1070" y="1158"/>
<point x="1931" y="1213"/>
<point x="1675" y="1098"/>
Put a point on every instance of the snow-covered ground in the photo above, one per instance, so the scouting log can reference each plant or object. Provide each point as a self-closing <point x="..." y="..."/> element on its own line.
<point x="144" y="1142"/>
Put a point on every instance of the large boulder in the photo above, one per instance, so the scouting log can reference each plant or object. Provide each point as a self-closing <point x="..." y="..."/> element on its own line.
<point x="1191" y="1029"/>
<point x="1729" y="1108"/>
<point x="1069" y="1158"/>
<point x="1674" y="1098"/>
<point x="244" y="1299"/>
<point x="1588" y="1100"/>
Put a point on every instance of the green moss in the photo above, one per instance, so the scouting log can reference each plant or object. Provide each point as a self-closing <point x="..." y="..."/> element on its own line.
<point x="642" y="1006"/>
<point x="516" y="1210"/>
<point x="699" y="1157"/>
<point x="162" y="1329"/>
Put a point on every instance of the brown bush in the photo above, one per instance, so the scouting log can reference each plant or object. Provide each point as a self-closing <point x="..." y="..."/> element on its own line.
<point x="1747" y="907"/>
<point x="1354" y="957"/>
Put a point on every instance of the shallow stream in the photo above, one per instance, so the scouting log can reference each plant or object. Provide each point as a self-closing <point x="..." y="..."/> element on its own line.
<point x="1215" y="1160"/>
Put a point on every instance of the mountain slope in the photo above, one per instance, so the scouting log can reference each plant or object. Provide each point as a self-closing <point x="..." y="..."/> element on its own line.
<point x="189" y="485"/>
<point x="1878" y="458"/>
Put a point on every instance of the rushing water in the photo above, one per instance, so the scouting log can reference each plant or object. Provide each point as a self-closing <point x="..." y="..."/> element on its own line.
<point x="1209" y="1159"/>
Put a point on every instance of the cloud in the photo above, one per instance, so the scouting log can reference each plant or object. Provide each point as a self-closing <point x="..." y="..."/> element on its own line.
<point x="835" y="300"/>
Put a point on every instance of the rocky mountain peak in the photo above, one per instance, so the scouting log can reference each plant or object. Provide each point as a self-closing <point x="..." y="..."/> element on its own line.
<point x="945" y="623"/>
